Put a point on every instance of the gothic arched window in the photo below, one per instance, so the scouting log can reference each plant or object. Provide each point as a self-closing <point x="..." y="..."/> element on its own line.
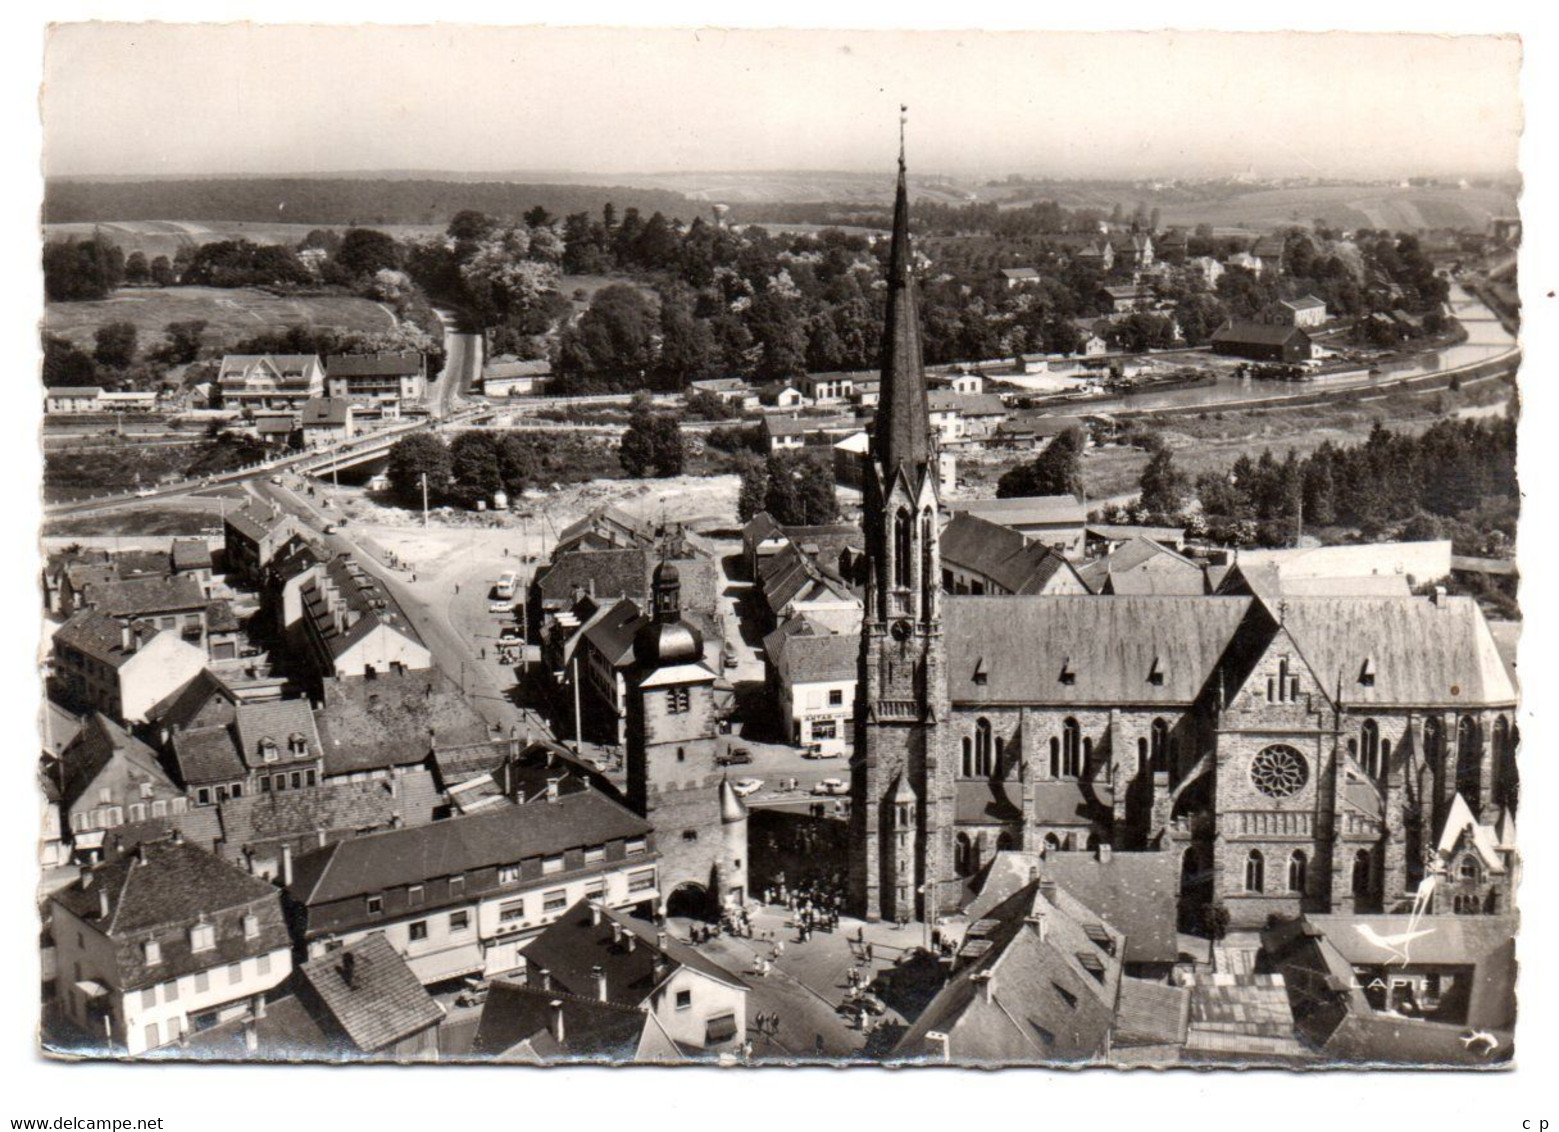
<point x="1055" y="757"/>
<point x="1361" y="873"/>
<point x="1071" y="748"/>
<point x="1469" y="759"/>
<point x="1369" y="748"/>
<point x="982" y="748"/>
<point x="968" y="763"/>
<point x="1160" y="731"/>
<point x="1296" y="871"/>
<point x="1255" y="872"/>
<point x="903" y="547"/>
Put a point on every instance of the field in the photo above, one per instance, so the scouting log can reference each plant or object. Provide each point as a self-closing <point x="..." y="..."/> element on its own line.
<point x="1349" y="206"/>
<point x="231" y="314"/>
<point x="166" y="237"/>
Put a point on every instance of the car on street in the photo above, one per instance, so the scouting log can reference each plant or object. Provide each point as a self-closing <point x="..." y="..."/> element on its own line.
<point x="276" y="480"/>
<point x="145" y="491"/>
<point x="330" y="528"/>
<point x="741" y="756"/>
<point x="816" y="751"/>
<point x="746" y="786"/>
<point x="501" y="606"/>
<point x="731" y="661"/>
<point x="831" y="786"/>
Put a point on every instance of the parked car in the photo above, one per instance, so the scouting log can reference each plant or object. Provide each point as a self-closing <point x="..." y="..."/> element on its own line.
<point x="145" y="491"/>
<point x="739" y="757"/>
<point x="831" y="786"/>
<point x="730" y="660"/>
<point x="818" y="751"/>
<point x="276" y="480"/>
<point x="746" y="786"/>
<point x="330" y="528"/>
<point x="501" y="606"/>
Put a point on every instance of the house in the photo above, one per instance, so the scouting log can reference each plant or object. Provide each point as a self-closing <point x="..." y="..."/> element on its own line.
<point x="277" y="428"/>
<point x="782" y="395"/>
<point x="511" y="377"/>
<point x="1246" y="261"/>
<point x="72" y="399"/>
<point x="1306" y="313"/>
<point x="1262" y="342"/>
<point x="1035" y="431"/>
<point x="982" y="557"/>
<point x="852" y="456"/>
<point x="163" y="940"/>
<point x="811" y="671"/>
<point x="1137" y="893"/>
<point x="1098" y="254"/>
<point x="192" y="557"/>
<point x="600" y="575"/>
<point x="121" y="670"/>
<point x="1270" y="250"/>
<point x="958" y="416"/>
<point x="1205" y="270"/>
<point x="327" y="420"/>
<point x="127" y="401"/>
<point x="1123" y="299"/>
<point x="353" y="626"/>
<point x="603" y="649"/>
<point x="867" y="392"/>
<point x="108" y="778"/>
<point x="828" y="388"/>
<point x="359" y="1003"/>
<point x="467" y="895"/>
<point x="1015" y="277"/>
<point x="1417" y="563"/>
<point x="1172" y="246"/>
<point x="267" y="748"/>
<point x="785" y="434"/>
<point x="608" y="527"/>
<point x="1105" y="538"/>
<point x="1133" y="252"/>
<point x="1142" y="566"/>
<point x="370" y="726"/>
<point x="252" y="537"/>
<point x="597" y="951"/>
<point x="1268" y="582"/>
<point x="727" y="390"/>
<point x="1055" y="520"/>
<point x="376" y="385"/>
<point x="537" y="1024"/>
<point x="1036" y="980"/>
<point x="795" y="582"/>
<point x="255" y="382"/>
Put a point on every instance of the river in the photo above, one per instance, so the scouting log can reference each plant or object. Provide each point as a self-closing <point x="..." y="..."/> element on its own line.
<point x="1486" y="339"/>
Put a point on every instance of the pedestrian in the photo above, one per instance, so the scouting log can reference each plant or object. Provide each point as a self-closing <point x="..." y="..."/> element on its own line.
<point x="818" y="1045"/>
<point x="868" y="953"/>
<point x="860" y="934"/>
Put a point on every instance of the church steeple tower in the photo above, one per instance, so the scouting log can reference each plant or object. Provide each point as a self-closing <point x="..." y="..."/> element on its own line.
<point x="902" y="809"/>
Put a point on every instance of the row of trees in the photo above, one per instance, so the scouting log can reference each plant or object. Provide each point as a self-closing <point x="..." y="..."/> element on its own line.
<point x="475" y="466"/>
<point x="796" y="488"/>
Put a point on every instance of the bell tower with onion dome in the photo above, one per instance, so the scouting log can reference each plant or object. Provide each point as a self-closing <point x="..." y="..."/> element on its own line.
<point x="672" y="776"/>
<point x="901" y="789"/>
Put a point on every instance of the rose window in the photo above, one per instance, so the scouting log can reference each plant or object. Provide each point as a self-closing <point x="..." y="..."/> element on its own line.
<point x="1279" y="772"/>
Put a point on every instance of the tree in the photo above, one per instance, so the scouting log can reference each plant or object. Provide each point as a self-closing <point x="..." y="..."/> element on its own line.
<point x="411" y="458"/>
<point x="64" y="364"/>
<point x="795" y="488"/>
<point x="162" y="272"/>
<point x="474" y="467"/>
<point x="114" y="344"/>
<point x="1058" y="470"/>
<point x="364" y="251"/>
<point x="81" y="270"/>
<point x="136" y="268"/>
<point x="1163" y="486"/>
<point x="652" y="444"/>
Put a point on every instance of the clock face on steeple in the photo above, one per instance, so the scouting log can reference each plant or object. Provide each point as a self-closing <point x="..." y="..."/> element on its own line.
<point x="900" y="630"/>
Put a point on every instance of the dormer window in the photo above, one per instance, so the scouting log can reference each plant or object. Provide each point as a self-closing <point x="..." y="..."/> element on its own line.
<point x="298" y="745"/>
<point x="1367" y="672"/>
<point x="268" y="750"/>
<point x="202" y="937"/>
<point x="151" y="951"/>
<point x="251" y="926"/>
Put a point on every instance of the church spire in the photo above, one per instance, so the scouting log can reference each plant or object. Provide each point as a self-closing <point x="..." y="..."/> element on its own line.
<point x="903" y="423"/>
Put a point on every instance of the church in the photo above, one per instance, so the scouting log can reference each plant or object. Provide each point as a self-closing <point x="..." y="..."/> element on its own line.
<point x="1305" y="754"/>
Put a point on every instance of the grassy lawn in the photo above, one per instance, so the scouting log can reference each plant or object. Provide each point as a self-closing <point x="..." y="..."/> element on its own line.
<point x="232" y="314"/>
<point x="137" y="521"/>
<point x="165" y="237"/>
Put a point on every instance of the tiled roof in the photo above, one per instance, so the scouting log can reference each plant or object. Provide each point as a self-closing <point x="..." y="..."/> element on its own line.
<point x="503" y="836"/>
<point x="207" y="754"/>
<point x="604" y="574"/>
<point x="99" y="742"/>
<point x="367" y="601"/>
<point x="1017" y="564"/>
<point x="74" y="391"/>
<point x="1029" y="647"/>
<point x="1136" y="892"/>
<point x="813" y="654"/>
<point x="97" y="635"/>
<point x="1024" y="510"/>
<point x="517" y="1019"/>
<point x="142" y="596"/>
<point x="394" y="719"/>
<point x="1258" y="334"/>
<point x="1308" y="303"/>
<point x="499" y="370"/>
<point x="287" y="1032"/>
<point x="370" y="993"/>
<point x="373" y="365"/>
<point x="1149" y="1013"/>
<point x="331" y="810"/>
<point x="256" y="522"/>
<point x="612" y="632"/>
<point x="326" y="412"/>
<point x="57" y="727"/>
<point x="181" y="707"/>
<point x="165" y="887"/>
<point x="573" y="945"/>
<point x="966" y="404"/>
<point x="191" y="554"/>
<point x="278" y="721"/>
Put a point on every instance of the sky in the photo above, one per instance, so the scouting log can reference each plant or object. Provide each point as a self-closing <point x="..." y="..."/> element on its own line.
<point x="236" y="98"/>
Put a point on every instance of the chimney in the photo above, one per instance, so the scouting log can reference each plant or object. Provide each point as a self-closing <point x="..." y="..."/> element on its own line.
<point x="1439" y="596"/>
<point x="557" y="1020"/>
<point x="349" y="969"/>
<point x="617" y="932"/>
<point x="986" y="984"/>
<point x="259" y="1005"/>
<point x="545" y="976"/>
<point x="595" y="917"/>
<point x="552" y="789"/>
<point x="126" y="637"/>
<point x="629" y="940"/>
<point x="102" y="903"/>
<point x="1041" y="928"/>
<point x="286" y="864"/>
<point x="1047" y="889"/>
<point x="1104" y="852"/>
<point x="251" y="1036"/>
<point x="178" y="836"/>
<point x="660" y="940"/>
<point x="599" y="974"/>
<point x="938" y="1041"/>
